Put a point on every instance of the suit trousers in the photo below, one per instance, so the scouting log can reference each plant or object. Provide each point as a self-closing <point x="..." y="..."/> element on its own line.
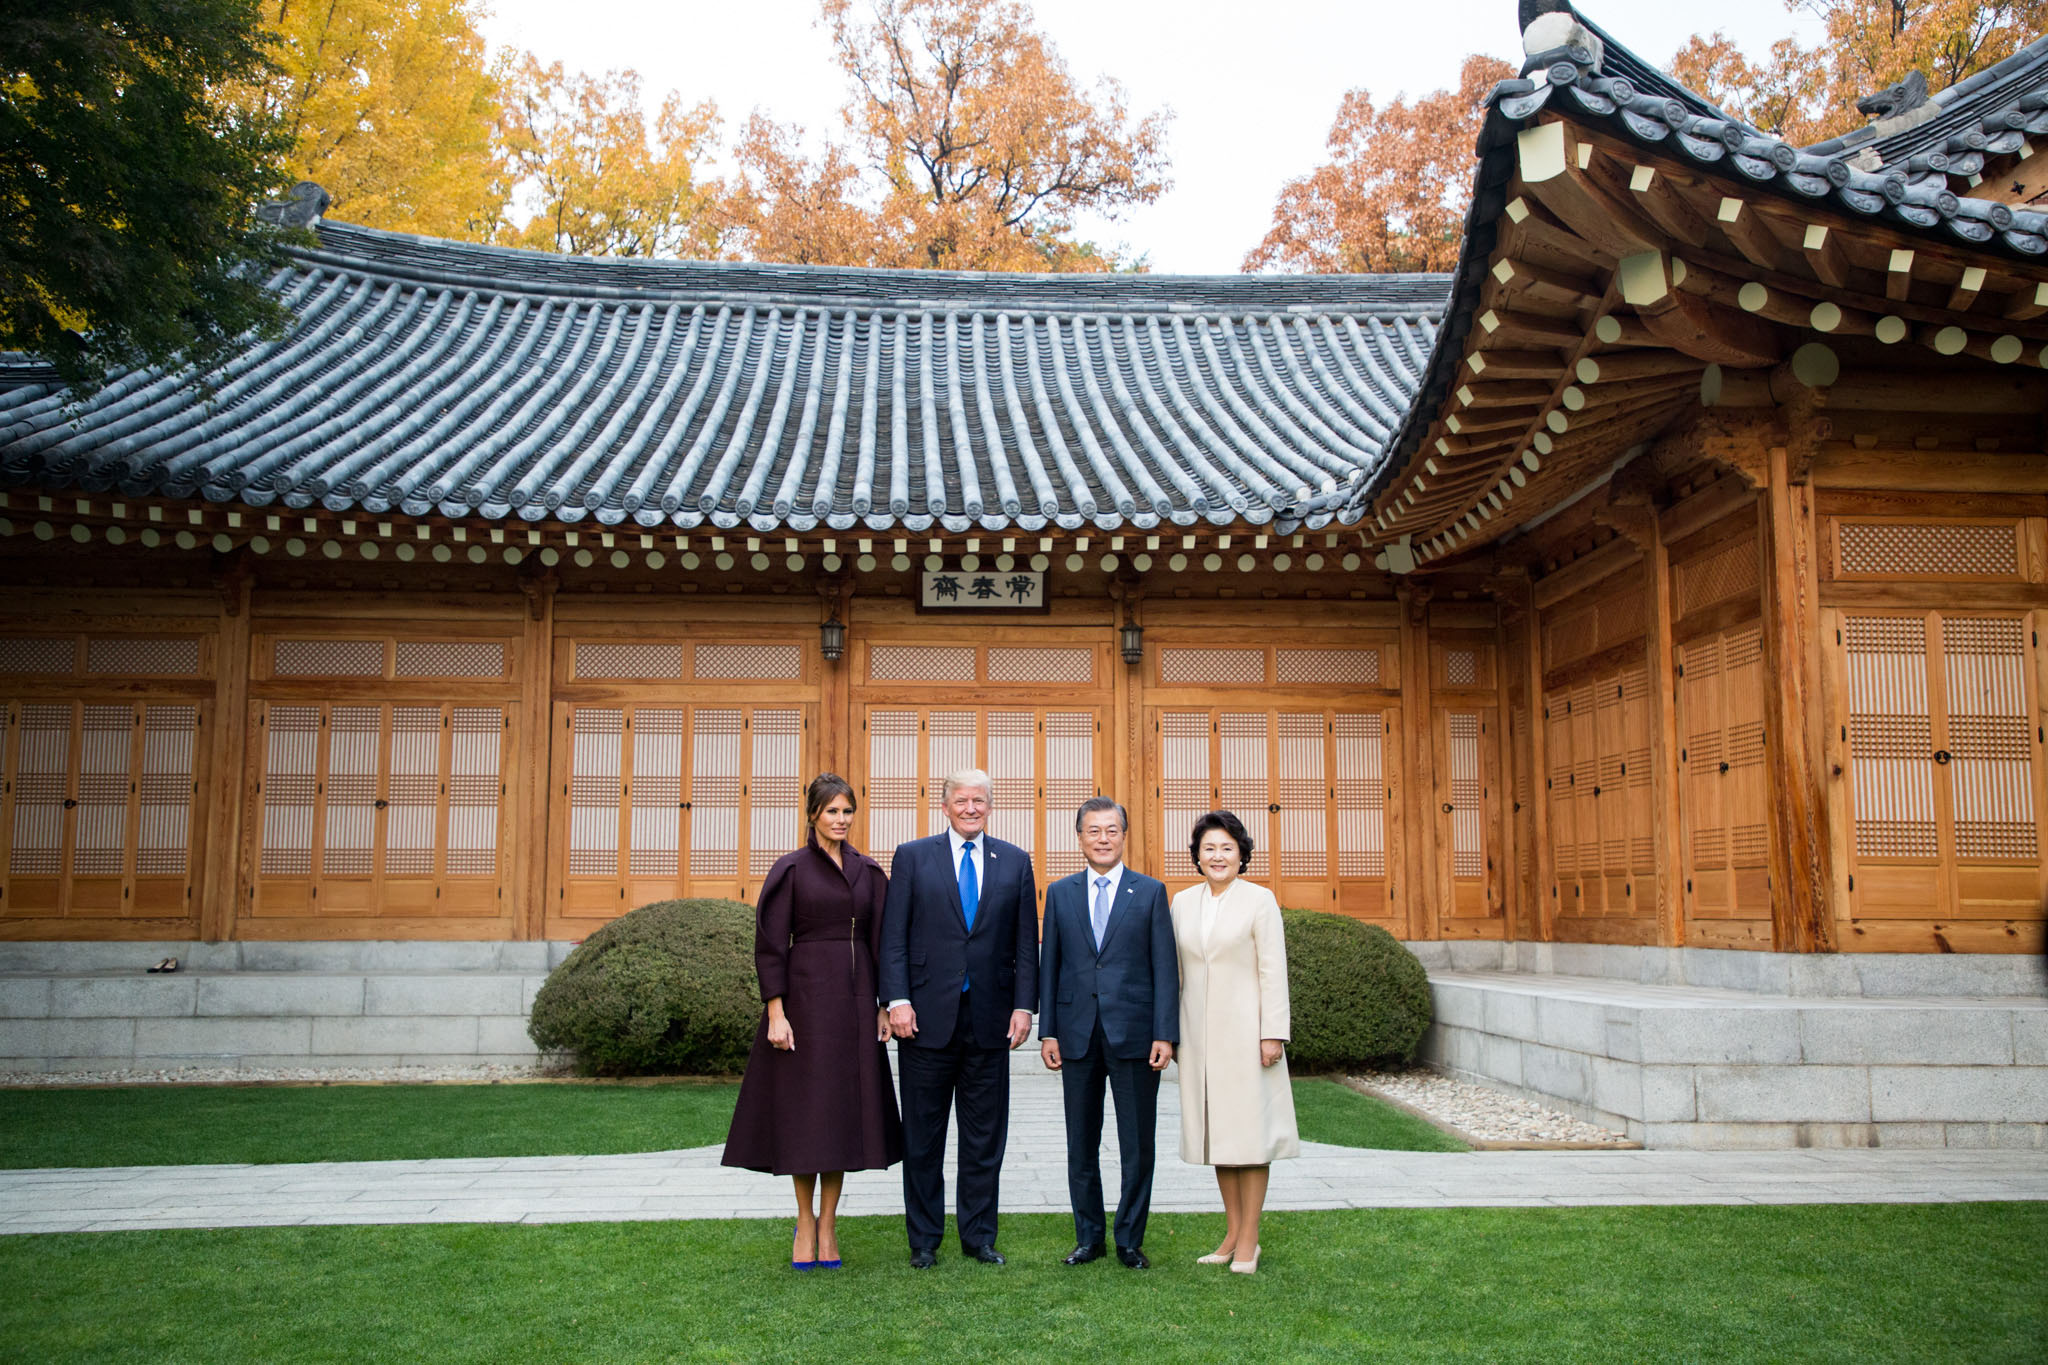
<point x="1136" y="1087"/>
<point x="973" y="1082"/>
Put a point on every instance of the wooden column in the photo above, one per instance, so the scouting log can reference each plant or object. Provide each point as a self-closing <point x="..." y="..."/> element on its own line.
<point x="220" y="888"/>
<point x="536" y="734"/>
<point x="1127" y="749"/>
<point x="1803" y="916"/>
<point x="835" y="693"/>
<point x="1516" y="594"/>
<point x="1418" y="766"/>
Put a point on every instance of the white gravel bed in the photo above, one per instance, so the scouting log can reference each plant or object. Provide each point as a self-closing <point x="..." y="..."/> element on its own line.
<point x="1485" y="1115"/>
<point x="217" y="1075"/>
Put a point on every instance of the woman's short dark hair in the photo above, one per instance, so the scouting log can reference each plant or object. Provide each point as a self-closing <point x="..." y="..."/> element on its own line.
<point x="1222" y="820"/>
<point x="823" y="788"/>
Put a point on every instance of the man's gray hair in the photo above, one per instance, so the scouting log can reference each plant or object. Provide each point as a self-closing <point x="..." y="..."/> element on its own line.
<point x="967" y="777"/>
<point x="1095" y="803"/>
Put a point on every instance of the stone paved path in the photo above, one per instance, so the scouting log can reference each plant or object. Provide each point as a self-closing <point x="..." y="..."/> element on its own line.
<point x="691" y="1183"/>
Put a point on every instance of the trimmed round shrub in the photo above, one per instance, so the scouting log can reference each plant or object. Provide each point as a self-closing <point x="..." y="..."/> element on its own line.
<point x="669" y="988"/>
<point x="1358" y="995"/>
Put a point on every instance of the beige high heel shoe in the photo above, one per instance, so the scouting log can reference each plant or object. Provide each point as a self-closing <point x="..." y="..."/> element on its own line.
<point x="1214" y="1258"/>
<point x="1250" y="1267"/>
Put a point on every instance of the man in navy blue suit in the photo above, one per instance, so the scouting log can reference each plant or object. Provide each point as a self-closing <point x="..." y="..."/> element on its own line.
<point x="1110" y="979"/>
<point x="960" y="972"/>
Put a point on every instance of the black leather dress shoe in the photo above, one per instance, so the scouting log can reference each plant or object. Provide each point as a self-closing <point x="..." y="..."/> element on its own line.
<point x="1133" y="1257"/>
<point x="923" y="1259"/>
<point x="986" y="1255"/>
<point x="1082" y="1255"/>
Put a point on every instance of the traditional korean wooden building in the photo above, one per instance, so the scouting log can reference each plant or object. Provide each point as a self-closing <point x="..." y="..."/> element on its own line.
<point x="1673" y="573"/>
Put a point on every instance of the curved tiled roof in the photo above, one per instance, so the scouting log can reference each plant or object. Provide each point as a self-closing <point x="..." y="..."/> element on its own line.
<point x="436" y="378"/>
<point x="1906" y="189"/>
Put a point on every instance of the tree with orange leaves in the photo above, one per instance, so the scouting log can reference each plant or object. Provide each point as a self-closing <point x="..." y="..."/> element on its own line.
<point x="1393" y="195"/>
<point x="976" y="147"/>
<point x="1807" y="95"/>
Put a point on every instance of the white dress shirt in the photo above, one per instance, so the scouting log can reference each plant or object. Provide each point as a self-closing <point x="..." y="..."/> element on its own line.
<point x="955" y="841"/>
<point x="1116" y="878"/>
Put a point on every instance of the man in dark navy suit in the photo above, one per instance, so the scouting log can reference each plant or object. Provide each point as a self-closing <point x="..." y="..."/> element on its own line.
<point x="960" y="973"/>
<point x="1110" y="1016"/>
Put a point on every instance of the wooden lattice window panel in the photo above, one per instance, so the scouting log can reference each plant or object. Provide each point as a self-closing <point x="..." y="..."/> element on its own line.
<point x="1360" y="788"/>
<point x="1623" y="617"/>
<point x="23" y="655"/>
<point x="1045" y="665"/>
<point x="448" y="659"/>
<point x="1041" y="766"/>
<point x="1891" y="549"/>
<point x="1244" y="779"/>
<point x="1724" y="789"/>
<point x="101" y="808"/>
<point x="162" y="658"/>
<point x="628" y="660"/>
<point x="1301" y="790"/>
<point x="766" y="663"/>
<point x="1210" y="667"/>
<point x="1461" y="668"/>
<point x="380" y="810"/>
<point x="1717" y="576"/>
<point x="1891" y="734"/>
<point x="1328" y="667"/>
<point x="1185" y="778"/>
<point x="1468" y="842"/>
<point x="717" y="743"/>
<point x="921" y="663"/>
<point x="327" y="659"/>
<point x="774" y="787"/>
<point x="1990" y="742"/>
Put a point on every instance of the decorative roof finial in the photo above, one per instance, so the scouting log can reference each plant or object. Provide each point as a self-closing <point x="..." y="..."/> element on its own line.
<point x="301" y="206"/>
<point x="1551" y="34"/>
<point x="1900" y="97"/>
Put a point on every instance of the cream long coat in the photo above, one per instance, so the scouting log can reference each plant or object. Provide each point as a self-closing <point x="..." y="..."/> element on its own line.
<point x="1233" y="992"/>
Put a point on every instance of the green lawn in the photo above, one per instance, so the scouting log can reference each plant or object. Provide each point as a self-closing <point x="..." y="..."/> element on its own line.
<point x="187" y="1125"/>
<point x="1909" y="1283"/>
<point x="184" y="1125"/>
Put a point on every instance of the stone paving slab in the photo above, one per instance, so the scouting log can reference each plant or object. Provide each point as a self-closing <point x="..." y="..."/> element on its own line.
<point x="690" y="1183"/>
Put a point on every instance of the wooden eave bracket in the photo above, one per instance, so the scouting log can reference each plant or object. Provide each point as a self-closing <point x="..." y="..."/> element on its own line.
<point x="538" y="586"/>
<point x="233" y="573"/>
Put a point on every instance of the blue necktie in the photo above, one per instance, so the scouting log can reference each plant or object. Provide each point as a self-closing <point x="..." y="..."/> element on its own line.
<point x="970" y="893"/>
<point x="1099" y="917"/>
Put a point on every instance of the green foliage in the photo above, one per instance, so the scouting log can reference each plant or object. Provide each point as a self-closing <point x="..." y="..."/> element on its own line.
<point x="1358" y="995"/>
<point x="129" y="184"/>
<point x="669" y="988"/>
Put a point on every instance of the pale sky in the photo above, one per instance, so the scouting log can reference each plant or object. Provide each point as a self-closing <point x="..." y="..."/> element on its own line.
<point x="1253" y="86"/>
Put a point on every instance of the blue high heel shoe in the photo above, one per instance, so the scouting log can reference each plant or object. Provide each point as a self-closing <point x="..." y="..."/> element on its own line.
<point x="795" y="1264"/>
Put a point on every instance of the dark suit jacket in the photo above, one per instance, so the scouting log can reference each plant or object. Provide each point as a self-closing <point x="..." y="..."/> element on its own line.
<point x="1132" y="985"/>
<point x="927" y="953"/>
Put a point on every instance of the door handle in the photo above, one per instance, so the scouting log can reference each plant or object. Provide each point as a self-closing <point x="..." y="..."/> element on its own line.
<point x="1272" y="810"/>
<point x="1942" y="757"/>
<point x="1447" y="808"/>
<point x="70" y="804"/>
<point x="381" y="803"/>
<point x="1724" y="767"/>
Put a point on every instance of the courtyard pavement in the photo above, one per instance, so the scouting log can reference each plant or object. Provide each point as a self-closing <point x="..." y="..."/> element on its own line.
<point x="691" y="1183"/>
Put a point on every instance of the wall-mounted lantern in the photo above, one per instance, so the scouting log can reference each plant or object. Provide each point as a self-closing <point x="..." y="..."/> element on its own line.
<point x="1132" y="637"/>
<point x="832" y="639"/>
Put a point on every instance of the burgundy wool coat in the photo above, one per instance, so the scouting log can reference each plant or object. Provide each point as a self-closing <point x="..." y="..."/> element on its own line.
<point x="828" y="1105"/>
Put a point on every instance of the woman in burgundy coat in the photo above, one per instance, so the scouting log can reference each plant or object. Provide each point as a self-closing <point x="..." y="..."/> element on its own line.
<point x="817" y="1101"/>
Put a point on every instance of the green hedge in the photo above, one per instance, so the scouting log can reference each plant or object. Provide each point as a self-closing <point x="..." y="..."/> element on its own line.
<point x="1358" y="995"/>
<point x="668" y="988"/>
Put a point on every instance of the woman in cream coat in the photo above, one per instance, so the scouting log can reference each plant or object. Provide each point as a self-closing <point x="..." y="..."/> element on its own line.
<point x="1236" y="1103"/>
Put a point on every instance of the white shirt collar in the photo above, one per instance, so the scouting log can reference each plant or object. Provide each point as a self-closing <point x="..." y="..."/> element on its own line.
<point x="1116" y="879"/>
<point x="957" y="843"/>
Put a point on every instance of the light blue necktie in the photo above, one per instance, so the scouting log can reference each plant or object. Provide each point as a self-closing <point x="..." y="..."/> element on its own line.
<point x="1099" y="916"/>
<point x="970" y="892"/>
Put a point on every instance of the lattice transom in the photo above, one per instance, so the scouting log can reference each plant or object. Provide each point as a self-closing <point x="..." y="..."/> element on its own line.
<point x="1929" y="549"/>
<point x="1211" y="666"/>
<point x="158" y="658"/>
<point x="328" y="659"/>
<point x="921" y="663"/>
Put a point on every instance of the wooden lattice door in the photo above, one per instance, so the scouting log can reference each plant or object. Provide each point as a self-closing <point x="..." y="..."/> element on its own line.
<point x="379" y="811"/>
<point x="661" y="801"/>
<point x="1724" y="789"/>
<point x="1467" y="815"/>
<point x="1043" y="762"/>
<point x="1313" y="788"/>
<point x="97" y="805"/>
<point x="1945" y="773"/>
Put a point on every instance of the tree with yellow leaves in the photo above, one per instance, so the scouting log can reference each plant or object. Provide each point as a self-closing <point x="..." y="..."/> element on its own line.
<point x="391" y="107"/>
<point x="973" y="148"/>
<point x="1806" y="95"/>
<point x="579" y="149"/>
<point x="1392" y="196"/>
